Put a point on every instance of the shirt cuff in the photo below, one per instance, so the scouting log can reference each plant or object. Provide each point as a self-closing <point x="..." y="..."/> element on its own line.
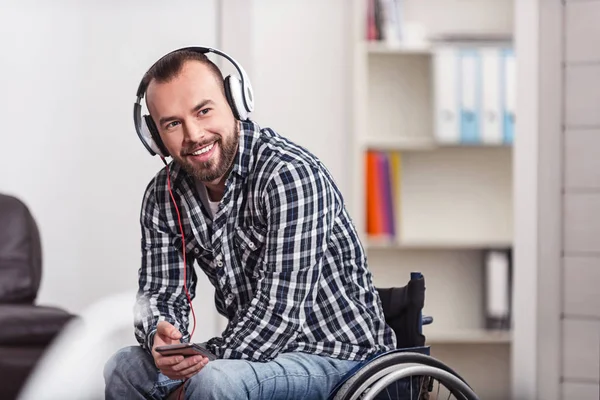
<point x="150" y="339"/>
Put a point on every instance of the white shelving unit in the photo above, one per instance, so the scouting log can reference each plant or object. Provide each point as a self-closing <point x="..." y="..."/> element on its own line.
<point x="469" y="337"/>
<point x="455" y="200"/>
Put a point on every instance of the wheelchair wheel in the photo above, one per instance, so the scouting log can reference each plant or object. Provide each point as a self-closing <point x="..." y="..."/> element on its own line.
<point x="405" y="376"/>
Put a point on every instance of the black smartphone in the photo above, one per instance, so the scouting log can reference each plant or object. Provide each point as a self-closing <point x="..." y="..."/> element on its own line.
<point x="186" y="350"/>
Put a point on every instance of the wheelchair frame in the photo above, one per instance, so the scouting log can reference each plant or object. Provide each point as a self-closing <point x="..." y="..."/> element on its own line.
<point x="372" y="377"/>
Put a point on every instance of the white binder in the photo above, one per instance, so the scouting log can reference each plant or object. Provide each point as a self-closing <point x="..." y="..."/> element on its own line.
<point x="470" y="96"/>
<point x="446" y="118"/>
<point x="510" y="95"/>
<point x="491" y="124"/>
<point x="497" y="285"/>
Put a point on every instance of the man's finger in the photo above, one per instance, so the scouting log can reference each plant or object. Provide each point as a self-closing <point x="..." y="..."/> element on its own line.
<point x="173" y="333"/>
<point x="168" y="361"/>
<point x="165" y="328"/>
<point x="187" y="363"/>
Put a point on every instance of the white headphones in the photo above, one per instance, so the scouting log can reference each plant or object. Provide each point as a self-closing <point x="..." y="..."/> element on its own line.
<point x="238" y="92"/>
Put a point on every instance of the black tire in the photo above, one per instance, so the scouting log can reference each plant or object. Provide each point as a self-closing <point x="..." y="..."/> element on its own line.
<point x="352" y="384"/>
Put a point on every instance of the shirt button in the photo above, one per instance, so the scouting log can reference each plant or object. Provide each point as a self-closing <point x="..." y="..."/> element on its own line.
<point x="230" y="297"/>
<point x="197" y="250"/>
<point x="251" y="245"/>
<point x="219" y="263"/>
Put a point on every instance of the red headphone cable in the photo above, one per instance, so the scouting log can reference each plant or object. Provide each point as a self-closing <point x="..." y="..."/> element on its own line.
<point x="181" y="393"/>
<point x="183" y="247"/>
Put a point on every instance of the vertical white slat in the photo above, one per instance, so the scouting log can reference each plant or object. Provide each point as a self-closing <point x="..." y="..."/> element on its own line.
<point x="582" y="222"/>
<point x="582" y="31"/>
<point x="580" y="391"/>
<point x="581" y="349"/>
<point x="581" y="294"/>
<point x="582" y="164"/>
<point x="582" y="97"/>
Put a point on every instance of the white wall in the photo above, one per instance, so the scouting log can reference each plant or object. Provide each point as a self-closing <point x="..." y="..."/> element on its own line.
<point x="69" y="72"/>
<point x="301" y="74"/>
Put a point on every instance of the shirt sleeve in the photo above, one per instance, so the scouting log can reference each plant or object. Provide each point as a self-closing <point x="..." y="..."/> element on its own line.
<point x="160" y="294"/>
<point x="299" y="204"/>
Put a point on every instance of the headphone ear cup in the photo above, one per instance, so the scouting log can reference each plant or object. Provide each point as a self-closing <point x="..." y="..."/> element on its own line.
<point x="235" y="97"/>
<point x="155" y="141"/>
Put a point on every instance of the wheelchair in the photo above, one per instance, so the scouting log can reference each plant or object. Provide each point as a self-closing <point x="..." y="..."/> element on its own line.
<point x="408" y="372"/>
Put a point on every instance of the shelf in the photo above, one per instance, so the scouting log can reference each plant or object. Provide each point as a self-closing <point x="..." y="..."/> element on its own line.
<point x="428" y="48"/>
<point x="418" y="143"/>
<point x="481" y="336"/>
<point x="400" y="143"/>
<point x="382" y="243"/>
<point x="382" y="47"/>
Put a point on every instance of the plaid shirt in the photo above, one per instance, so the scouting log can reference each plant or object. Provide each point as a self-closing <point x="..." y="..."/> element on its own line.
<point x="288" y="269"/>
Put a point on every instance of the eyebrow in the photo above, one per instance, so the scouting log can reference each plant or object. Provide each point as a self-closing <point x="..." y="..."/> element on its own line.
<point x="197" y="108"/>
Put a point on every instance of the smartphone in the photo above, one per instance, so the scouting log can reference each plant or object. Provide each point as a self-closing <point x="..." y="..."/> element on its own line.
<point x="186" y="350"/>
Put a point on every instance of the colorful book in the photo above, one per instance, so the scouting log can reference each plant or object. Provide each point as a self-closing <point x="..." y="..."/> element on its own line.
<point x="396" y="185"/>
<point x="387" y="203"/>
<point x="374" y="216"/>
<point x="383" y="174"/>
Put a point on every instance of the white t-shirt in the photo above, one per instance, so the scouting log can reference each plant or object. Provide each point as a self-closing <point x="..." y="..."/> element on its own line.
<point x="212" y="206"/>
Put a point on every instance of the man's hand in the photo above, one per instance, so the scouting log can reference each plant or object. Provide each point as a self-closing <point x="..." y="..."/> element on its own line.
<point x="175" y="367"/>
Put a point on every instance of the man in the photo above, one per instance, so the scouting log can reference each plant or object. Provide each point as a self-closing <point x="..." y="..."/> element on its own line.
<point x="266" y="223"/>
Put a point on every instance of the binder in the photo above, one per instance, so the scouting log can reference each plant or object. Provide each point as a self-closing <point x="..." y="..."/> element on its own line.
<point x="497" y="287"/>
<point x="509" y="99"/>
<point x="470" y="96"/>
<point x="446" y="73"/>
<point x="491" y="123"/>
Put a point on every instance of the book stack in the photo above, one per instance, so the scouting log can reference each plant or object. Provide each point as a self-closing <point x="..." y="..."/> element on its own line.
<point x="384" y="20"/>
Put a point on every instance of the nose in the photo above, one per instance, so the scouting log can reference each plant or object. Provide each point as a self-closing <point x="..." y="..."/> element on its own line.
<point x="192" y="132"/>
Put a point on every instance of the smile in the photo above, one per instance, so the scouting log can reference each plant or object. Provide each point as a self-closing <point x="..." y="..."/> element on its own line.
<point x="204" y="149"/>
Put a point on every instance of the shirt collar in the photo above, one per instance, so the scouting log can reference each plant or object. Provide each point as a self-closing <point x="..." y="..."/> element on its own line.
<point x="244" y="159"/>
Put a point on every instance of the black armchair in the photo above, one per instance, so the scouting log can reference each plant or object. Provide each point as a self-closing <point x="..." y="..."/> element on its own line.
<point x="26" y="329"/>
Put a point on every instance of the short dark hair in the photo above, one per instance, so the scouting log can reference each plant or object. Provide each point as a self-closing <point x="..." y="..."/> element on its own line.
<point x="170" y="66"/>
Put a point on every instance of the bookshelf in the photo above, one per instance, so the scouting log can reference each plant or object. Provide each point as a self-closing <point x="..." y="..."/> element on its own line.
<point x="454" y="201"/>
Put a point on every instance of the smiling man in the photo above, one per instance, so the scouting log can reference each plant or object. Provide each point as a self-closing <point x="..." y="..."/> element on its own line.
<point x="264" y="220"/>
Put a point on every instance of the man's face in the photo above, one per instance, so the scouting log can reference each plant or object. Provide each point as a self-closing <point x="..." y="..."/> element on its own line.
<point x="195" y="121"/>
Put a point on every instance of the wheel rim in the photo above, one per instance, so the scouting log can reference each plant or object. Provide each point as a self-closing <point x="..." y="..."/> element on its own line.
<point x="418" y="370"/>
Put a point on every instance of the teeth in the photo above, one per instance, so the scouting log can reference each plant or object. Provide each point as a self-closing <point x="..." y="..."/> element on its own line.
<point x="203" y="150"/>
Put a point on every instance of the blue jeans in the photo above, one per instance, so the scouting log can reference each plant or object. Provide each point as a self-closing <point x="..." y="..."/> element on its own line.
<point x="131" y="374"/>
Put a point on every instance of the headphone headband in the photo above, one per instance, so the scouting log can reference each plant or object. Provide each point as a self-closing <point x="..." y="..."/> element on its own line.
<point x="246" y="86"/>
<point x="238" y="92"/>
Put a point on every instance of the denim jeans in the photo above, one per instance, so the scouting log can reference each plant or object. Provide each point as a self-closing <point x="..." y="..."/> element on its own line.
<point x="131" y="374"/>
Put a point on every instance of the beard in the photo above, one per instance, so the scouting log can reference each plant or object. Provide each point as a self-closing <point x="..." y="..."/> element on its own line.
<point x="216" y="167"/>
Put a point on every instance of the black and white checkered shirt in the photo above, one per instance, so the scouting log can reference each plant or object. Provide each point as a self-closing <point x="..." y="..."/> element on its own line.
<point x="289" y="271"/>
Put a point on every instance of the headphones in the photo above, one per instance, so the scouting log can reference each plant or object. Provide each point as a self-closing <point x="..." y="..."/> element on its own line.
<point x="238" y="92"/>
